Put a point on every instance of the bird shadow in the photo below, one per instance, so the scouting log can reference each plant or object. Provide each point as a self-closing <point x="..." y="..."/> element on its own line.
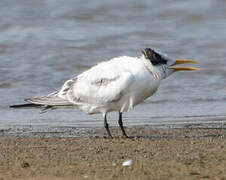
<point x="150" y="137"/>
<point x="138" y="137"/>
<point x="166" y="137"/>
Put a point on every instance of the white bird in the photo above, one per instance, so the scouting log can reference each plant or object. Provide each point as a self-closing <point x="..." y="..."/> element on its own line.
<point x="115" y="85"/>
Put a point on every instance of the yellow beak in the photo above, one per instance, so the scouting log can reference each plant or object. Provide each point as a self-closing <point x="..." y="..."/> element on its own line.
<point x="184" y="61"/>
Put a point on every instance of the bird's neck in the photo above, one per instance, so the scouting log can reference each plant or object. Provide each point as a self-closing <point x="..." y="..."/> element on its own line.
<point x="156" y="71"/>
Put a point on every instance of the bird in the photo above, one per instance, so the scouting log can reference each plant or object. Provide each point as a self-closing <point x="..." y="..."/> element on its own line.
<point x="118" y="84"/>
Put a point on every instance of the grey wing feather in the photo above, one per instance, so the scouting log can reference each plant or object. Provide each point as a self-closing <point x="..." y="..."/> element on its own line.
<point x="99" y="90"/>
<point x="49" y="100"/>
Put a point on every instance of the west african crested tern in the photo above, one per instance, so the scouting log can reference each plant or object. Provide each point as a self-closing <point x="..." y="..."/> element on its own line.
<point x="115" y="85"/>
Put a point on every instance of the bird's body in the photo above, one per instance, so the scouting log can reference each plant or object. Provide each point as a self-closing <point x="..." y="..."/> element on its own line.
<point x="115" y="85"/>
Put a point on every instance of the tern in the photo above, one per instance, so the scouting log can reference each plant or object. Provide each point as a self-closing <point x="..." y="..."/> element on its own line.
<point x="115" y="85"/>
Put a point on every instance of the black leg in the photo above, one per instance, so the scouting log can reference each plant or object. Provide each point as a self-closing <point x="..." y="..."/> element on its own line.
<point x="121" y="125"/>
<point x="107" y="126"/>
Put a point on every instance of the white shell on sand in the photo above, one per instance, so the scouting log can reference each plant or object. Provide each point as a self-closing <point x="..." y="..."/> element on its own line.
<point x="127" y="162"/>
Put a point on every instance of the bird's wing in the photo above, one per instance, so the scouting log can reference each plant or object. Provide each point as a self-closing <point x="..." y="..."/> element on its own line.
<point x="98" y="86"/>
<point x="49" y="100"/>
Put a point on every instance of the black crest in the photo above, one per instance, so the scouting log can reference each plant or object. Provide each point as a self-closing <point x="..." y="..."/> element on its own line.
<point x="153" y="56"/>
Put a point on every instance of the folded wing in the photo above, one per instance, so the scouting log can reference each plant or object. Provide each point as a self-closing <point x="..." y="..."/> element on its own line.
<point x="99" y="86"/>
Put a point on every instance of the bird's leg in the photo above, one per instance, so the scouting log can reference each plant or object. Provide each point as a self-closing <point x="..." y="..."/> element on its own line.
<point x="121" y="125"/>
<point x="107" y="126"/>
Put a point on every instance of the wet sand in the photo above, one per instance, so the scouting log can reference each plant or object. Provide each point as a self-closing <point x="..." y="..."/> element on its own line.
<point x="188" y="153"/>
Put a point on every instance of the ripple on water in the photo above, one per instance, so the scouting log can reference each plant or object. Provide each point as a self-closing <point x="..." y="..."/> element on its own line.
<point x="40" y="49"/>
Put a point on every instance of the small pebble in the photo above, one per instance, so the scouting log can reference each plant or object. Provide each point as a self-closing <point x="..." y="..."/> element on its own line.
<point x="25" y="165"/>
<point x="113" y="164"/>
<point x="85" y="176"/>
<point x="127" y="162"/>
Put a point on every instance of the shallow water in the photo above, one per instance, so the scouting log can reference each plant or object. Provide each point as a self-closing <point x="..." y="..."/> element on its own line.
<point x="43" y="43"/>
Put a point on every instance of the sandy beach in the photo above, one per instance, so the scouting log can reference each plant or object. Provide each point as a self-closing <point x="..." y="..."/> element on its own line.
<point x="178" y="133"/>
<point x="190" y="153"/>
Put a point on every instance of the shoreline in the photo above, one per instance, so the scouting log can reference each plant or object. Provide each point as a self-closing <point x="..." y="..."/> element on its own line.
<point x="99" y="131"/>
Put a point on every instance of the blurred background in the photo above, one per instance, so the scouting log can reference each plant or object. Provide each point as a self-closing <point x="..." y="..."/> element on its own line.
<point x="43" y="43"/>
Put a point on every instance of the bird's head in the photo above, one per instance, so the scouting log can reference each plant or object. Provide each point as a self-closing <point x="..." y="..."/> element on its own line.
<point x="165" y="65"/>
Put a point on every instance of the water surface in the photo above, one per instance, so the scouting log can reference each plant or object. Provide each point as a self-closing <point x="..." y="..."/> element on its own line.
<point x="45" y="42"/>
